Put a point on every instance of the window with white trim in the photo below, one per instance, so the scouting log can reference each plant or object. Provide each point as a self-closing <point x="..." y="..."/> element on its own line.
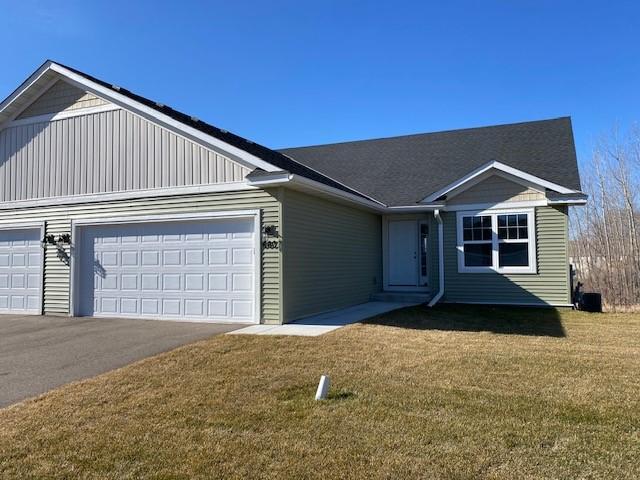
<point x="500" y="241"/>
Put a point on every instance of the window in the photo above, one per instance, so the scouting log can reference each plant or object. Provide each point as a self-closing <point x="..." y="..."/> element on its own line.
<point x="477" y="240"/>
<point x="500" y="241"/>
<point x="424" y="238"/>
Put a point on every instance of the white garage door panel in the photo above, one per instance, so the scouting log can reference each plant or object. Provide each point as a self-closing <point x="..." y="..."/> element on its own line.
<point x="202" y="270"/>
<point x="20" y="271"/>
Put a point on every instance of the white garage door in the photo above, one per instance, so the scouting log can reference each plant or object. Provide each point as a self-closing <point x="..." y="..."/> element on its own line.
<point x="187" y="270"/>
<point x="20" y="271"/>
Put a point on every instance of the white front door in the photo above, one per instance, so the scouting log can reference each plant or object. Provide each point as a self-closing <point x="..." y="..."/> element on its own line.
<point x="186" y="270"/>
<point x="403" y="253"/>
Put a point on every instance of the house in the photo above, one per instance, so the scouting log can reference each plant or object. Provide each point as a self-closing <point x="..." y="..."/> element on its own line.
<point x="113" y="205"/>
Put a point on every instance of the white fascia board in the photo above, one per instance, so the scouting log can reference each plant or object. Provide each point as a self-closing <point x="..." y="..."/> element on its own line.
<point x="165" y="120"/>
<point x="335" y="192"/>
<point x="26" y="85"/>
<point x="278" y="178"/>
<point x="126" y="195"/>
<point x="52" y="117"/>
<point x="313" y="186"/>
<point x="493" y="206"/>
<point x="415" y="208"/>
<point x="530" y="179"/>
<point x="568" y="201"/>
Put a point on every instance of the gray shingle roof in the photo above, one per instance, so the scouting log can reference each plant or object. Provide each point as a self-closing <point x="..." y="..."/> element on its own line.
<point x="404" y="170"/>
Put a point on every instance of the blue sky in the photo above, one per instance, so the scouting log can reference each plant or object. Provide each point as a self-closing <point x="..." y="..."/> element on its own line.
<point x="289" y="73"/>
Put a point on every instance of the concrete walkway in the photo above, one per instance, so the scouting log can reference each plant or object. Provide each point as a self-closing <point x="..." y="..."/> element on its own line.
<point x="325" y="322"/>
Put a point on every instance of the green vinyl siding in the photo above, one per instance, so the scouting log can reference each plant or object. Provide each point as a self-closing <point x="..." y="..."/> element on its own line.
<point x="58" y="221"/>
<point x="549" y="286"/>
<point x="332" y="255"/>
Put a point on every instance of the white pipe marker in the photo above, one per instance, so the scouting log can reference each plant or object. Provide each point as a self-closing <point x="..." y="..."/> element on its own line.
<point x="323" y="388"/>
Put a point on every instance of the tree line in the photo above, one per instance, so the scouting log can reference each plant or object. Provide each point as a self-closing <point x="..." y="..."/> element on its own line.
<point x="604" y="239"/>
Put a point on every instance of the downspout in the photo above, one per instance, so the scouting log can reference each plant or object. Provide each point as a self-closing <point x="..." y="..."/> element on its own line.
<point x="436" y="299"/>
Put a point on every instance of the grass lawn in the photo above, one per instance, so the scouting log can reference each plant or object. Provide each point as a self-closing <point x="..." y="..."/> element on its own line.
<point x="454" y="392"/>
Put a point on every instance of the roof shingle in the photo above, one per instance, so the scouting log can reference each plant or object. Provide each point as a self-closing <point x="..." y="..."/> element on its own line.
<point x="404" y="170"/>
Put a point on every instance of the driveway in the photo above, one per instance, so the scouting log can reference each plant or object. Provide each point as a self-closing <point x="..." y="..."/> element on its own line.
<point x="40" y="353"/>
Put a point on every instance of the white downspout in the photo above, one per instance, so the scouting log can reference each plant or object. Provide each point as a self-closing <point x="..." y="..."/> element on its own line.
<point x="440" y="293"/>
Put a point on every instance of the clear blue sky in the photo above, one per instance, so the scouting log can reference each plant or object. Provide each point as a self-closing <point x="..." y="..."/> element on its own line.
<point x="289" y="73"/>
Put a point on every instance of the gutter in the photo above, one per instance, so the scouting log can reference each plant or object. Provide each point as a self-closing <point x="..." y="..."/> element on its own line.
<point x="440" y="293"/>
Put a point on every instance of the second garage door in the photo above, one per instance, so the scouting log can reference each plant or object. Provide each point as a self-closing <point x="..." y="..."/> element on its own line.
<point x="184" y="270"/>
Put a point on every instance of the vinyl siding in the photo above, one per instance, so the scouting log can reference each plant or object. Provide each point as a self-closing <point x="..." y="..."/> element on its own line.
<point x="549" y="286"/>
<point x="58" y="221"/>
<point x="496" y="189"/>
<point x="103" y="152"/>
<point x="61" y="97"/>
<point x="332" y="255"/>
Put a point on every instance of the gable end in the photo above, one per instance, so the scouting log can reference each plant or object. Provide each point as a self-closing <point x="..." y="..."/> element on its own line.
<point x="61" y="97"/>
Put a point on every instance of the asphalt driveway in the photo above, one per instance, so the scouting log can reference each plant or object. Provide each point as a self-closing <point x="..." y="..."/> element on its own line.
<point x="41" y="353"/>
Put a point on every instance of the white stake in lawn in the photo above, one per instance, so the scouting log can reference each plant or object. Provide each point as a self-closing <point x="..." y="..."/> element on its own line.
<point x="323" y="388"/>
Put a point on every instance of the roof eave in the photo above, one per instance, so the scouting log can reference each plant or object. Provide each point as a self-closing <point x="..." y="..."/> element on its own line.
<point x="500" y="167"/>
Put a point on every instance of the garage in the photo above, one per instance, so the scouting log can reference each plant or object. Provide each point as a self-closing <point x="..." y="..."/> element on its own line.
<point x="194" y="270"/>
<point x="20" y="271"/>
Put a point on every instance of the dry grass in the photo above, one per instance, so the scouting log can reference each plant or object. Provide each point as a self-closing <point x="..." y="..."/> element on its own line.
<point x="430" y="394"/>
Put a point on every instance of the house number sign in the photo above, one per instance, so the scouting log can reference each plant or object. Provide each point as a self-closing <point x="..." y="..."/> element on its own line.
<point x="270" y="244"/>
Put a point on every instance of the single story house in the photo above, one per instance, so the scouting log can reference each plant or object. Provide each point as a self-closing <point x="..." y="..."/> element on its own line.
<point x="113" y="205"/>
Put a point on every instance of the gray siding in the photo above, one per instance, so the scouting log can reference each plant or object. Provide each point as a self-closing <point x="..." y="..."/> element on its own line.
<point x="58" y="221"/>
<point x="103" y="152"/>
<point x="549" y="286"/>
<point x="62" y="96"/>
<point x="332" y="255"/>
<point x="496" y="189"/>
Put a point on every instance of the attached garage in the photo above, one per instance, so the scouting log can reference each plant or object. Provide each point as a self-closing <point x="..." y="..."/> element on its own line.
<point x="181" y="268"/>
<point x="20" y="270"/>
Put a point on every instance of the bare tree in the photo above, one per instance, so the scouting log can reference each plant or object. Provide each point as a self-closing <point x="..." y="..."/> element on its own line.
<point x="605" y="236"/>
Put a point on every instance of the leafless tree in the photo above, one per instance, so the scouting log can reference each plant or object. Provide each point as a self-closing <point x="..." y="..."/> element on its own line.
<point x="605" y="234"/>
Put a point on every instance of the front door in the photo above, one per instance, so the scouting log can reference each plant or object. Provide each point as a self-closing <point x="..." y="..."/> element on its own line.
<point x="403" y="253"/>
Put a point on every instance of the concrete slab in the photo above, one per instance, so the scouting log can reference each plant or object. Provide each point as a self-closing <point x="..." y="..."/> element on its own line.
<point x="326" y="322"/>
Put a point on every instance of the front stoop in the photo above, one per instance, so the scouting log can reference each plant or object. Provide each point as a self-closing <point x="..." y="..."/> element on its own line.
<point x="402" y="297"/>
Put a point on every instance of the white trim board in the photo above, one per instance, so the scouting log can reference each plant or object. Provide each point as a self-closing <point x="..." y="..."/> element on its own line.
<point x="127" y="195"/>
<point x="494" y="206"/>
<point x="52" y="117"/>
<point x="77" y="224"/>
<point x="497" y="166"/>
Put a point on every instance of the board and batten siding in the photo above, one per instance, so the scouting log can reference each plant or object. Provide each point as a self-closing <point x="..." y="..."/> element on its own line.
<point x="61" y="97"/>
<point x="102" y="152"/>
<point x="496" y="189"/>
<point x="58" y="221"/>
<point x="549" y="286"/>
<point x="332" y="255"/>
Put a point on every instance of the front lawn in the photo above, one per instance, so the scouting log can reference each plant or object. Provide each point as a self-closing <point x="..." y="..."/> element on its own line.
<point x="454" y="392"/>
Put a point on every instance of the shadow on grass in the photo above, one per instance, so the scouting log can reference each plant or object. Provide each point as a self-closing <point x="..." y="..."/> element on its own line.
<point x="470" y="318"/>
<point x="340" y="395"/>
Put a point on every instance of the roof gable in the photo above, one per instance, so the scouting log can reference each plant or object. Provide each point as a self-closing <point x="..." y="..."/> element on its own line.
<point x="233" y="146"/>
<point x="61" y="97"/>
